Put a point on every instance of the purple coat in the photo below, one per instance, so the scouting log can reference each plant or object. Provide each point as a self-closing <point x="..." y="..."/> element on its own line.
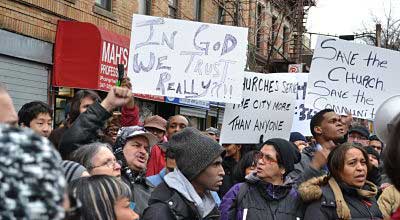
<point x="289" y="204"/>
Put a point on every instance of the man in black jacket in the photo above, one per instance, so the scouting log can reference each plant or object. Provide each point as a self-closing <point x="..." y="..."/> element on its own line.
<point x="185" y="194"/>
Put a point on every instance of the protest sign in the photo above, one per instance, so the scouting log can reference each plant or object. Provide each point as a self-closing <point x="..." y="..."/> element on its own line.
<point x="266" y="109"/>
<point x="186" y="59"/>
<point x="349" y="77"/>
<point x="302" y="115"/>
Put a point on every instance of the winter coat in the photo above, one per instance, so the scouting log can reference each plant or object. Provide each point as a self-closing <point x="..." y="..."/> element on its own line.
<point x="141" y="192"/>
<point x="389" y="201"/>
<point x="156" y="161"/>
<point x="167" y="204"/>
<point x="302" y="170"/>
<point x="331" y="200"/>
<point x="261" y="201"/>
<point x="56" y="135"/>
<point x="396" y="215"/>
<point x="159" y="178"/>
<point x="374" y="175"/>
<point x="129" y="116"/>
<point x="84" y="130"/>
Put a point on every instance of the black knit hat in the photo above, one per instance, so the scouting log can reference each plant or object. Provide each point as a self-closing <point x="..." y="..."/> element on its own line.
<point x="297" y="136"/>
<point x="371" y="150"/>
<point x="194" y="151"/>
<point x="287" y="153"/>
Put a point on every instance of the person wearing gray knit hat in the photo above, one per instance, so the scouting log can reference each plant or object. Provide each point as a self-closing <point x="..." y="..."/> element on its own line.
<point x="193" y="151"/>
<point x="73" y="170"/>
<point x="187" y="189"/>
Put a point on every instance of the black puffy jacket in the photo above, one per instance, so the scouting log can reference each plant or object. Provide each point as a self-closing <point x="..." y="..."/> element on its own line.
<point x="84" y="130"/>
<point x="167" y="204"/>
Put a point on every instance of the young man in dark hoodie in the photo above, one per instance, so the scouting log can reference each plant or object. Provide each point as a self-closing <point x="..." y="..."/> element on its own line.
<point x="185" y="194"/>
<point x="328" y="128"/>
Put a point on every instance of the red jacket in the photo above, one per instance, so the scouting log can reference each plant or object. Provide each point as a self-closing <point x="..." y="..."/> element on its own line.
<point x="396" y="215"/>
<point x="156" y="162"/>
<point x="129" y="116"/>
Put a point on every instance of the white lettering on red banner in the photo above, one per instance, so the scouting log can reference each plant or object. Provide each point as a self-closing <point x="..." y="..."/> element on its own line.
<point x="112" y="55"/>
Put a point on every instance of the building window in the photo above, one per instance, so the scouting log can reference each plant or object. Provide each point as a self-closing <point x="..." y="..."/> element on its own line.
<point x="274" y="27"/>
<point x="105" y="4"/>
<point x="198" y="10"/>
<point x="144" y="7"/>
<point x="259" y="27"/>
<point x="220" y="15"/>
<point x="173" y="8"/>
<point x="285" y="43"/>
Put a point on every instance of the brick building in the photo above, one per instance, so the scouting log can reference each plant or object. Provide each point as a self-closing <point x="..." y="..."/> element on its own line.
<point x="28" y="34"/>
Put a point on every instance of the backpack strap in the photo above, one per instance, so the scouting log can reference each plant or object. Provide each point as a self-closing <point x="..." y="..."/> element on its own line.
<point x="244" y="187"/>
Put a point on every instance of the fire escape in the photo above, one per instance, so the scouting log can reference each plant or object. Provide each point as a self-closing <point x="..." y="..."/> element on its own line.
<point x="301" y="8"/>
<point x="245" y="13"/>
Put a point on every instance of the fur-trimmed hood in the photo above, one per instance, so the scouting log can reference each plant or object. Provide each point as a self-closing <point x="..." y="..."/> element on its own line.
<point x="311" y="190"/>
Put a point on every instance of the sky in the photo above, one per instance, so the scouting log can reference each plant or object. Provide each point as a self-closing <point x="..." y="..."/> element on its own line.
<point x="346" y="17"/>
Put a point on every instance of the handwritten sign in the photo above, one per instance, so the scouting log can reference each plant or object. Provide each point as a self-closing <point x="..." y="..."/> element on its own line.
<point x="186" y="59"/>
<point x="302" y="115"/>
<point x="349" y="77"/>
<point x="266" y="109"/>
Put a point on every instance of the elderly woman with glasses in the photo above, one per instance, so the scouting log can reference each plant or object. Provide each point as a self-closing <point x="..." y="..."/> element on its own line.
<point x="98" y="159"/>
<point x="268" y="193"/>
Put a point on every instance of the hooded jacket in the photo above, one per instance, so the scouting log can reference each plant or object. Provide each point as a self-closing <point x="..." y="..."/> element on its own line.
<point x="262" y="201"/>
<point x="177" y="199"/>
<point x="331" y="200"/>
<point x="389" y="201"/>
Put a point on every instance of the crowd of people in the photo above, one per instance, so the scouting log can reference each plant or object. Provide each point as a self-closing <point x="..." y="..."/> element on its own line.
<point x="104" y="164"/>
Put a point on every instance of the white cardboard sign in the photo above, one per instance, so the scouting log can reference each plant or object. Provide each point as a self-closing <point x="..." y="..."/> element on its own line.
<point x="266" y="109"/>
<point x="187" y="59"/>
<point x="350" y="77"/>
<point x="302" y="115"/>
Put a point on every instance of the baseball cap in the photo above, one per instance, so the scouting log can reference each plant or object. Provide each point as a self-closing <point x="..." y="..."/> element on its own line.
<point x="134" y="131"/>
<point x="361" y="130"/>
<point x="212" y="130"/>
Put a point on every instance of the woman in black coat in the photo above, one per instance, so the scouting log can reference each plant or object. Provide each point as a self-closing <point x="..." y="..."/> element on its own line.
<point x="346" y="193"/>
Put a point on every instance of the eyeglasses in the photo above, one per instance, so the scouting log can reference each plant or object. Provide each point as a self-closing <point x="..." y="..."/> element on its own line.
<point x="108" y="163"/>
<point x="266" y="158"/>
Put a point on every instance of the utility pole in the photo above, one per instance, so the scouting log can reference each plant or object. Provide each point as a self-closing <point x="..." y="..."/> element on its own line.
<point x="378" y="35"/>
